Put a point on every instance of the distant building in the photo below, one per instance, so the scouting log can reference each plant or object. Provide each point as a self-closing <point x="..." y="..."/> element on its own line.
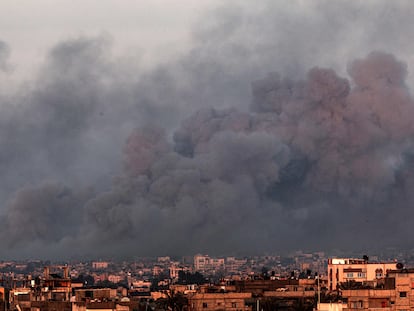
<point x="342" y="270"/>
<point x="175" y="270"/>
<point x="259" y="287"/>
<point x="201" y="262"/>
<point x="164" y="259"/>
<point x="205" y="263"/>
<point x="234" y="265"/>
<point x="157" y="270"/>
<point x="115" y="278"/>
<point x="2" y="294"/>
<point x="100" y="264"/>
<point x="91" y="294"/>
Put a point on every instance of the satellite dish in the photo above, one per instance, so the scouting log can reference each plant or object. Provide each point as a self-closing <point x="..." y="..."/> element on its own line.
<point x="400" y="265"/>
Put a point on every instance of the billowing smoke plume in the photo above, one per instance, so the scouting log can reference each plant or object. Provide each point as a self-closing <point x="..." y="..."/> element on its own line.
<point x="315" y="163"/>
<point x="214" y="152"/>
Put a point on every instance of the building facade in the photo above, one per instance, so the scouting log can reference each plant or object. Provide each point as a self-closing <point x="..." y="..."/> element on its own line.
<point x="218" y="301"/>
<point x="341" y="270"/>
<point x="205" y="263"/>
<point x="395" y="293"/>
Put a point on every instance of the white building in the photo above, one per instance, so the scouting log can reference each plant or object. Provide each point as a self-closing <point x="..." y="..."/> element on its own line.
<point x="204" y="263"/>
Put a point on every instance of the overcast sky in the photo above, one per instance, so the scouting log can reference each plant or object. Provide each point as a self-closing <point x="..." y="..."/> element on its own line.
<point x="151" y="29"/>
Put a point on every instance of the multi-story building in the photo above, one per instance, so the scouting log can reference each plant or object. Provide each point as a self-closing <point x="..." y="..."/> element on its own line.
<point x="205" y="262"/>
<point x="174" y="271"/>
<point x="218" y="301"/>
<point x="342" y="270"/>
<point x="234" y="265"/>
<point x="395" y="292"/>
<point x="90" y="294"/>
<point x="53" y="287"/>
<point x="200" y="262"/>
<point x="100" y="265"/>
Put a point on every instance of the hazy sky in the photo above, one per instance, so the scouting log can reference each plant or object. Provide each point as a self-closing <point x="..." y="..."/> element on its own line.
<point x="151" y="29"/>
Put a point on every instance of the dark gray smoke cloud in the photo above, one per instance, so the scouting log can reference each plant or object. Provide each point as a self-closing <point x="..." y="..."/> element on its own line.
<point x="278" y="130"/>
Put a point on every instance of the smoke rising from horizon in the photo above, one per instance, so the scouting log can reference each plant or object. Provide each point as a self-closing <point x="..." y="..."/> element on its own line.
<point x="256" y="140"/>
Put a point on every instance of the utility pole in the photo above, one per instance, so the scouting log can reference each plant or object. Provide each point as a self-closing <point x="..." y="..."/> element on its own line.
<point x="319" y="292"/>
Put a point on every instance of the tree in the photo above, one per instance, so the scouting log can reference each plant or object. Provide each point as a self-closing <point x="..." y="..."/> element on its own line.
<point x="106" y="284"/>
<point x="86" y="280"/>
<point x="191" y="278"/>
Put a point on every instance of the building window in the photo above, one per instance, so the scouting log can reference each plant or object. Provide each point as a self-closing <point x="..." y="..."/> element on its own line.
<point x="403" y="294"/>
<point x="350" y="275"/>
<point x="357" y="304"/>
<point x="378" y="273"/>
<point x="361" y="274"/>
<point x="234" y="305"/>
<point x="205" y="305"/>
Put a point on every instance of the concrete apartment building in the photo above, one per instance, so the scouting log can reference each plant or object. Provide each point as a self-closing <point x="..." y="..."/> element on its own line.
<point x="342" y="270"/>
<point x="218" y="301"/>
<point x="53" y="287"/>
<point x="234" y="265"/>
<point x="205" y="263"/>
<point x="100" y="265"/>
<point x="100" y="294"/>
<point x="396" y="292"/>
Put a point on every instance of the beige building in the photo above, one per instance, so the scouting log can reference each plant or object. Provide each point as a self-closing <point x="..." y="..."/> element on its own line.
<point x="94" y="294"/>
<point x="331" y="306"/>
<point x="218" y="301"/>
<point x="359" y="270"/>
<point x="396" y="292"/>
<point x="201" y="262"/>
<point x="174" y="271"/>
<point x="205" y="262"/>
<point x="100" y="264"/>
<point x="234" y="265"/>
<point x="2" y="294"/>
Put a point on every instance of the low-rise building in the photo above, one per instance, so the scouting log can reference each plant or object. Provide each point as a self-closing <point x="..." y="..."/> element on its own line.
<point x="218" y="301"/>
